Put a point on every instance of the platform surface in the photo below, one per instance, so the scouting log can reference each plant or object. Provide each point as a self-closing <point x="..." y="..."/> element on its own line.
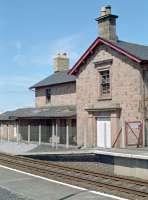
<point x="16" y="148"/>
<point x="17" y="186"/>
<point x="137" y="153"/>
<point x="44" y="149"/>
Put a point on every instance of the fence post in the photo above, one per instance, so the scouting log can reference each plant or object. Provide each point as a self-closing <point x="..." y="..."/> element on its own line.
<point x="40" y="132"/>
<point x="17" y="132"/>
<point x="67" y="133"/>
<point x="56" y="133"/>
<point x="28" y="133"/>
<point x="126" y="134"/>
<point x="143" y="132"/>
<point x="53" y="131"/>
<point x="123" y="134"/>
<point x="8" y="132"/>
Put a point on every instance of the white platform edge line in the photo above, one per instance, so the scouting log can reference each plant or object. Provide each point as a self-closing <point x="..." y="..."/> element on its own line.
<point x="125" y="155"/>
<point x="65" y="184"/>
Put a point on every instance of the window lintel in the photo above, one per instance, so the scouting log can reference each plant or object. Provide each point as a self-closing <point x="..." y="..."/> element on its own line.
<point x="103" y="64"/>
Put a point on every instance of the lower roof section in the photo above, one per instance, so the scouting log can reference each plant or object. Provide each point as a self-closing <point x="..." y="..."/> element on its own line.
<point x="39" y="113"/>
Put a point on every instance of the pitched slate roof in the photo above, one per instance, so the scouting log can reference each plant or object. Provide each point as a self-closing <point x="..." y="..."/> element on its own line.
<point x="56" y="78"/>
<point x="136" y="52"/>
<point x="46" y="112"/>
<point x="6" y="116"/>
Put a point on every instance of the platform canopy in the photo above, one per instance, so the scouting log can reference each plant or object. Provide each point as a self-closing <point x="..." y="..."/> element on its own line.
<point x="39" y="113"/>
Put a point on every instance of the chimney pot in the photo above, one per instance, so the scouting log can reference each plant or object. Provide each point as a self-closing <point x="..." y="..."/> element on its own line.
<point x="103" y="11"/>
<point x="108" y="10"/>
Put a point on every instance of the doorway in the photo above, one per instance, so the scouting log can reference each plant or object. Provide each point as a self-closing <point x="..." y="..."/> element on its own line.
<point x="104" y="132"/>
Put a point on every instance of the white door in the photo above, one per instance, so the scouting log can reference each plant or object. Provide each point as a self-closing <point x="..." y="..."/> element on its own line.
<point x="104" y="132"/>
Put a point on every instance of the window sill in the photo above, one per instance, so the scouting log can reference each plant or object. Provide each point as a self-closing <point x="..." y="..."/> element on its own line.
<point x="104" y="98"/>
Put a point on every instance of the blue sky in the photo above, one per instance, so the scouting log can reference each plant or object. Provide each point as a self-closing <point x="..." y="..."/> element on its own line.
<point x="33" y="31"/>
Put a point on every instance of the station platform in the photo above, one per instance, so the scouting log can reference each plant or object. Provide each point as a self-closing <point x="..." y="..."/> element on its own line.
<point x="131" y="162"/>
<point x="16" y="185"/>
<point x="15" y="148"/>
<point x="45" y="149"/>
<point x="137" y="153"/>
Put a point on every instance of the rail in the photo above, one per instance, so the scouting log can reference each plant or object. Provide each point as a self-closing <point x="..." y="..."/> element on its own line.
<point x="121" y="186"/>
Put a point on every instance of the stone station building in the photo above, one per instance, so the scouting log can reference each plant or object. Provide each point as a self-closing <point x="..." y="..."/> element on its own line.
<point x="100" y="102"/>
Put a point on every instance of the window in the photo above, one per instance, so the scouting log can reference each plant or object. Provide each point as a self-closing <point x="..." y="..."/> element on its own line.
<point x="48" y="95"/>
<point x="105" y="82"/>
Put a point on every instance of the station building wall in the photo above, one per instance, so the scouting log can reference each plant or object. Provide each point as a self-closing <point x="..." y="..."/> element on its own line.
<point x="126" y="90"/>
<point x="63" y="94"/>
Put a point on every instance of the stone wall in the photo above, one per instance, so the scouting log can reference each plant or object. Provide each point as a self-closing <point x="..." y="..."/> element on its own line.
<point x="64" y="94"/>
<point x="137" y="168"/>
<point x="126" y="90"/>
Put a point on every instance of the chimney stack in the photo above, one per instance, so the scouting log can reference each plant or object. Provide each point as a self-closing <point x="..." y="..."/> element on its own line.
<point x="61" y="62"/>
<point x="107" y="24"/>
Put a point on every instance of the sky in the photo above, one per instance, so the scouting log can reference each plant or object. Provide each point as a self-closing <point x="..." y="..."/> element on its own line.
<point x="32" y="32"/>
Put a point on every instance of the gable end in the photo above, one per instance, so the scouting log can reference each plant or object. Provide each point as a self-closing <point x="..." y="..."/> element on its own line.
<point x="90" y="50"/>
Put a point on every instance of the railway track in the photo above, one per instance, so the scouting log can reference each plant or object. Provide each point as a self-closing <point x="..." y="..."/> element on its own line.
<point x="121" y="186"/>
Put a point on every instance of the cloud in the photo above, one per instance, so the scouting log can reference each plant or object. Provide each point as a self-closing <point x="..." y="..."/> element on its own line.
<point x="18" y="45"/>
<point x="42" y="54"/>
<point x="20" y="59"/>
<point x="29" y="63"/>
<point x="15" y="92"/>
<point x="70" y="44"/>
<point x="17" y="83"/>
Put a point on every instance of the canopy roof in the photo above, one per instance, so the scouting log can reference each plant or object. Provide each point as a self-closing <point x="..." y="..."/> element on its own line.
<point x="39" y="113"/>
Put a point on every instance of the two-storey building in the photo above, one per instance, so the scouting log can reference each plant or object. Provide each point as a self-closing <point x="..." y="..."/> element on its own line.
<point x="100" y="102"/>
<point x="53" y="119"/>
